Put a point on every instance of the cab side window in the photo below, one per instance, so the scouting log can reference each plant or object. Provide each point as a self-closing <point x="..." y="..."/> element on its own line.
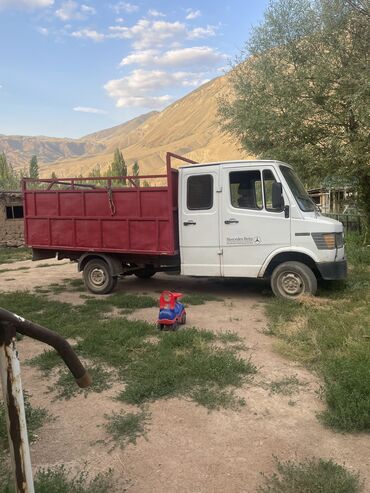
<point x="246" y="189"/>
<point x="199" y="192"/>
<point x="268" y="183"/>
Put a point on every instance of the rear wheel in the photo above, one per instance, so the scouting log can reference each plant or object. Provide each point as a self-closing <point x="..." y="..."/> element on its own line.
<point x="293" y="279"/>
<point x="98" y="277"/>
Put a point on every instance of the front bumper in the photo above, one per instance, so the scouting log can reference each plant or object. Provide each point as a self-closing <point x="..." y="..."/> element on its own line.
<point x="333" y="270"/>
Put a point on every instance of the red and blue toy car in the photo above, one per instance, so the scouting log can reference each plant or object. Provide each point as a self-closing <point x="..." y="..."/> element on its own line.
<point x="171" y="311"/>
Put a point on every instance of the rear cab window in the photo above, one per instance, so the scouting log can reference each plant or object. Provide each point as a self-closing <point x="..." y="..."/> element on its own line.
<point x="199" y="192"/>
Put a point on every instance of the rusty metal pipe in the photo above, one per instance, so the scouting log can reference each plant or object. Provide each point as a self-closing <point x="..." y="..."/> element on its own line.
<point x="51" y="338"/>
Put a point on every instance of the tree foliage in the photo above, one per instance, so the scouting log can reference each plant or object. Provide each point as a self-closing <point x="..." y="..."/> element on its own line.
<point x="9" y="179"/>
<point x="118" y="167"/>
<point x="34" y="168"/>
<point x="135" y="172"/>
<point x="301" y="90"/>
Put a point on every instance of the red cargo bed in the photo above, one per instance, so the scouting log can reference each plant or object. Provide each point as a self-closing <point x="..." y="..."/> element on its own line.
<point x="80" y="216"/>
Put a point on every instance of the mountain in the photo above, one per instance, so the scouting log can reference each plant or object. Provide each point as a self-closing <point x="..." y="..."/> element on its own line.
<point x="20" y="149"/>
<point x="188" y="127"/>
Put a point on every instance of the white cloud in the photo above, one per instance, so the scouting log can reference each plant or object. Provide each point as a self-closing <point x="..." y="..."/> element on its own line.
<point x="156" y="13"/>
<point x="143" y="57"/>
<point x="88" y="34"/>
<point x="70" y="10"/>
<point x="193" y="14"/>
<point x="25" y="4"/>
<point x="88" y="9"/>
<point x="150" y="102"/>
<point x="140" y="88"/>
<point x="204" y="56"/>
<point x="151" y="33"/>
<point x="129" y="8"/>
<point x="202" y="32"/>
<point x="88" y="109"/>
<point x="43" y="30"/>
<point x="120" y="20"/>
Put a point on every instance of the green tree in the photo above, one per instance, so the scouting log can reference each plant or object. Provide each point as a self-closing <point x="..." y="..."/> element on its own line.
<point x="118" y="167"/>
<point x="95" y="173"/>
<point x="301" y="91"/>
<point x="9" y="179"/>
<point x="34" y="168"/>
<point x="135" y="172"/>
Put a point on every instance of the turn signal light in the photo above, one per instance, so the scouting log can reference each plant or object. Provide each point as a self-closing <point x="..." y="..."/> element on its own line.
<point x="329" y="239"/>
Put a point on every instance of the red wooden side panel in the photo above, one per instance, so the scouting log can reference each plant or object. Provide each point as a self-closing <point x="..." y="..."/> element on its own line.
<point x="125" y="220"/>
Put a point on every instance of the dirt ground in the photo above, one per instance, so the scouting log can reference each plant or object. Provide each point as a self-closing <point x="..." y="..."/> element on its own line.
<point x="187" y="448"/>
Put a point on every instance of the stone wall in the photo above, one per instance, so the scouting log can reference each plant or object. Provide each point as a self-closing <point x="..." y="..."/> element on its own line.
<point x="11" y="230"/>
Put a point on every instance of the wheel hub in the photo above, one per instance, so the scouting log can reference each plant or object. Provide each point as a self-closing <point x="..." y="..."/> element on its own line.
<point x="97" y="277"/>
<point x="292" y="283"/>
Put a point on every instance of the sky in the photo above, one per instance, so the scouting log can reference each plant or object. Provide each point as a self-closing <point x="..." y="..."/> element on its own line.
<point x="71" y="67"/>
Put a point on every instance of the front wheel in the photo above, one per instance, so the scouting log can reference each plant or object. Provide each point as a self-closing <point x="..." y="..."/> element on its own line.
<point x="98" y="277"/>
<point x="293" y="279"/>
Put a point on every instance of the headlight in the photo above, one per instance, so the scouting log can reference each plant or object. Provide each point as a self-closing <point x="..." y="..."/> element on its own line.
<point x="339" y="240"/>
<point x="325" y="241"/>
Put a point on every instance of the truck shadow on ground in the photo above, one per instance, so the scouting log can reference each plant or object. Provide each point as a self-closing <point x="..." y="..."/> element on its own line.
<point x="224" y="287"/>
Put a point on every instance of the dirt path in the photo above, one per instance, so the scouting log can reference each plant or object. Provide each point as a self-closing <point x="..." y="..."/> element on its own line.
<point x="189" y="449"/>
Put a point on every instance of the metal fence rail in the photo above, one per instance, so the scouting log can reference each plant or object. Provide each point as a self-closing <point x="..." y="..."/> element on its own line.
<point x="351" y="222"/>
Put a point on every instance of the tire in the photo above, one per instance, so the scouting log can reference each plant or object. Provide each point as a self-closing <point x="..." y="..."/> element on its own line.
<point x="98" y="277"/>
<point x="183" y="319"/>
<point x="292" y="280"/>
<point x="146" y="273"/>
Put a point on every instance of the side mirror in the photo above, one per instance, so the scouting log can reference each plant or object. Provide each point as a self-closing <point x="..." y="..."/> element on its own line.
<point x="277" y="196"/>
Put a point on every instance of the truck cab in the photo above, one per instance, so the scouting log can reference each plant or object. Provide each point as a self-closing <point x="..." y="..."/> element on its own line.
<point x="254" y="219"/>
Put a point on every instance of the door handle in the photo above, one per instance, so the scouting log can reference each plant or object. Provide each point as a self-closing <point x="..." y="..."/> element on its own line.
<point x="231" y="221"/>
<point x="189" y="223"/>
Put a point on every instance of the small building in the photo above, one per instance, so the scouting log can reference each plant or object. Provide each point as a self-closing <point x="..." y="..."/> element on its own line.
<point x="333" y="200"/>
<point x="11" y="219"/>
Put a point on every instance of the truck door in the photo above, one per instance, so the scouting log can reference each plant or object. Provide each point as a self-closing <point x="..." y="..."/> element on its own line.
<point x="199" y="221"/>
<point x="252" y="226"/>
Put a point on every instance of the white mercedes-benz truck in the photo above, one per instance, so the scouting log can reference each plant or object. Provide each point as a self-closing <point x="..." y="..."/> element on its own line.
<point x="251" y="219"/>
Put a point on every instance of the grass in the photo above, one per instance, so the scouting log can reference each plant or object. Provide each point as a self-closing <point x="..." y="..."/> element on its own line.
<point x="61" y="480"/>
<point x="229" y="336"/>
<point x="35" y="417"/>
<point x="286" y="385"/>
<point x="124" y="427"/>
<point x="198" y="298"/>
<point x="311" y="476"/>
<point x="332" y="336"/>
<point x="215" y="398"/>
<point x="179" y="364"/>
<point x="9" y="255"/>
<point x="176" y="364"/>
<point x="13" y="270"/>
<point x="66" y="387"/>
<point x="46" y="361"/>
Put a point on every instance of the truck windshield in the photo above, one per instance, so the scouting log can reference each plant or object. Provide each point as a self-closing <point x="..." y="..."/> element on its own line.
<point x="303" y="199"/>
